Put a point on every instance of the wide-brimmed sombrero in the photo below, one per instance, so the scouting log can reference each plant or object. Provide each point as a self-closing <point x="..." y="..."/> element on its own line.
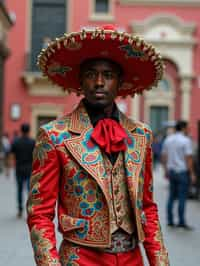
<point x="142" y="65"/>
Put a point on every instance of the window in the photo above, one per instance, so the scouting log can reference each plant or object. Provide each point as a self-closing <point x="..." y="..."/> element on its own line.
<point x="48" y="22"/>
<point x="158" y="115"/>
<point x="164" y="85"/>
<point x="101" y="6"/>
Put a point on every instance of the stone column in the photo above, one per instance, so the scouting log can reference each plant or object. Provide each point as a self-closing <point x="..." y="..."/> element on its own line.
<point x="186" y="87"/>
<point x="135" y="105"/>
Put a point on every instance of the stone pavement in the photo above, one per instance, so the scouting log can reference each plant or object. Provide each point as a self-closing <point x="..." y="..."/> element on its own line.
<point x="15" y="247"/>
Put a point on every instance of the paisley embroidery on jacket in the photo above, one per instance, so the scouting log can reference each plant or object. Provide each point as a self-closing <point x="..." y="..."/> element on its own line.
<point x="42" y="247"/>
<point x="91" y="201"/>
<point x="42" y="148"/>
<point x="69" y="254"/>
<point x="92" y="156"/>
<point x="99" y="225"/>
<point x="162" y="258"/>
<point x="82" y="232"/>
<point x="59" y="138"/>
<point x="161" y="255"/>
<point x="84" y="192"/>
<point x="34" y="188"/>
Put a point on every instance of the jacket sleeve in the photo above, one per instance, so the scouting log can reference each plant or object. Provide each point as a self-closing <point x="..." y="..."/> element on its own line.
<point x="42" y="200"/>
<point x="153" y="243"/>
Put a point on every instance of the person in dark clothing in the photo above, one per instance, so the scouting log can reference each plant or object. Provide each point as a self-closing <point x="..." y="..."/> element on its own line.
<point x="156" y="148"/>
<point x="22" y="148"/>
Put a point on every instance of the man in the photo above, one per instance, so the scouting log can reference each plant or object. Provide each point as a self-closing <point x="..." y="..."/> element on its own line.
<point x="95" y="162"/>
<point x="6" y="151"/>
<point x="177" y="156"/>
<point x="22" y="149"/>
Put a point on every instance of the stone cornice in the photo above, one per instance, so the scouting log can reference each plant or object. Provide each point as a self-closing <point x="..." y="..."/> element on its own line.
<point x="185" y="77"/>
<point x="172" y="43"/>
<point x="165" y="18"/>
<point x="103" y="17"/>
<point x="178" y="32"/>
<point x="37" y="85"/>
<point x="162" y="2"/>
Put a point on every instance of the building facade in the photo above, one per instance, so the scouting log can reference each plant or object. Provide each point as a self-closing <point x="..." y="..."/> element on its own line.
<point x="172" y="26"/>
<point x="5" y="25"/>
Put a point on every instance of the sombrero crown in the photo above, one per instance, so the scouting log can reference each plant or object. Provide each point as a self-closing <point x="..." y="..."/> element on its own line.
<point x="142" y="65"/>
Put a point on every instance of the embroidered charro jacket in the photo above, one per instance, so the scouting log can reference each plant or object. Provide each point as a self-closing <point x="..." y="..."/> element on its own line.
<point x="70" y="170"/>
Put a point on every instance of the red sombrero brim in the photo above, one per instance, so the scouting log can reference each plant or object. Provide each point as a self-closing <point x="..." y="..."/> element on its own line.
<point x="61" y="60"/>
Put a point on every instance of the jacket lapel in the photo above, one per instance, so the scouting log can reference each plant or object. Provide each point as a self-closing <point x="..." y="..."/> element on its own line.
<point x="134" y="155"/>
<point x="89" y="156"/>
<point x="86" y="152"/>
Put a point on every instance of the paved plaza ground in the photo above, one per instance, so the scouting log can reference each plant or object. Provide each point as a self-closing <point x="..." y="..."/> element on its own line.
<point x="15" y="247"/>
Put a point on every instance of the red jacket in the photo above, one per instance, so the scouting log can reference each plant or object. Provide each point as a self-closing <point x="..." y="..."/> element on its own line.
<point x="65" y="163"/>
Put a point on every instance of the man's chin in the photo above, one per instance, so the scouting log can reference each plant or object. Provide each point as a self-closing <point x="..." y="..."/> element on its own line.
<point x="99" y="104"/>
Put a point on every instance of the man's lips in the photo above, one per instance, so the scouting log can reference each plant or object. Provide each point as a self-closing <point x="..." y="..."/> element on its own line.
<point x="100" y="94"/>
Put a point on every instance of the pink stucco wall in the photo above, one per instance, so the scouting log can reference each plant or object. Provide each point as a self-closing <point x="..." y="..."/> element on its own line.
<point x="15" y="89"/>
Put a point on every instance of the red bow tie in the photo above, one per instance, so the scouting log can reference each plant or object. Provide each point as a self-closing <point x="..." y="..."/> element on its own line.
<point x="109" y="135"/>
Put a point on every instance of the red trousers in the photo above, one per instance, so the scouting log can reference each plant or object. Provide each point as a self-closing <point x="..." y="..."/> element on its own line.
<point x="75" y="255"/>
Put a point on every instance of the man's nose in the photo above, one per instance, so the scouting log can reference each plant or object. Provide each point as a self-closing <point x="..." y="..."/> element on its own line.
<point x="100" y="80"/>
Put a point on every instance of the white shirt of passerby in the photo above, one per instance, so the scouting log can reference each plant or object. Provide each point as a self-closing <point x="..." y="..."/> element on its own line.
<point x="176" y="147"/>
<point x="6" y="144"/>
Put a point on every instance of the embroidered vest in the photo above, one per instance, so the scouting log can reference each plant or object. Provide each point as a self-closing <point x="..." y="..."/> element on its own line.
<point x="122" y="215"/>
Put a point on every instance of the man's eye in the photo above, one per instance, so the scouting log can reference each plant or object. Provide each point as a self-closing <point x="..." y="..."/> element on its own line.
<point x="90" y="75"/>
<point x="108" y="75"/>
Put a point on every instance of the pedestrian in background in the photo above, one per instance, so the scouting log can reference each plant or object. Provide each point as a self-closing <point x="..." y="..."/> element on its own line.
<point x="22" y="149"/>
<point x="6" y="145"/>
<point x="15" y="135"/>
<point x="177" y="158"/>
<point x="156" y="148"/>
<point x="95" y="163"/>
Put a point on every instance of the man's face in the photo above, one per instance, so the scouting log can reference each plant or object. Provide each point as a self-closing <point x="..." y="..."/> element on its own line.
<point x="100" y="81"/>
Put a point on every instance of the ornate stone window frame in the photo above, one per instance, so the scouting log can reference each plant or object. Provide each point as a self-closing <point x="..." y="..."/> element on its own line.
<point x="178" y="48"/>
<point x="102" y="16"/>
<point x="156" y="97"/>
<point x="161" y="2"/>
<point x="40" y="86"/>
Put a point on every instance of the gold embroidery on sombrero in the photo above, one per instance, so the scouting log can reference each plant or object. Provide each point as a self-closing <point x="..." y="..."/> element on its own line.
<point x="131" y="51"/>
<point x="72" y="46"/>
<point x="58" y="69"/>
<point x="42" y="247"/>
<point x="34" y="188"/>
